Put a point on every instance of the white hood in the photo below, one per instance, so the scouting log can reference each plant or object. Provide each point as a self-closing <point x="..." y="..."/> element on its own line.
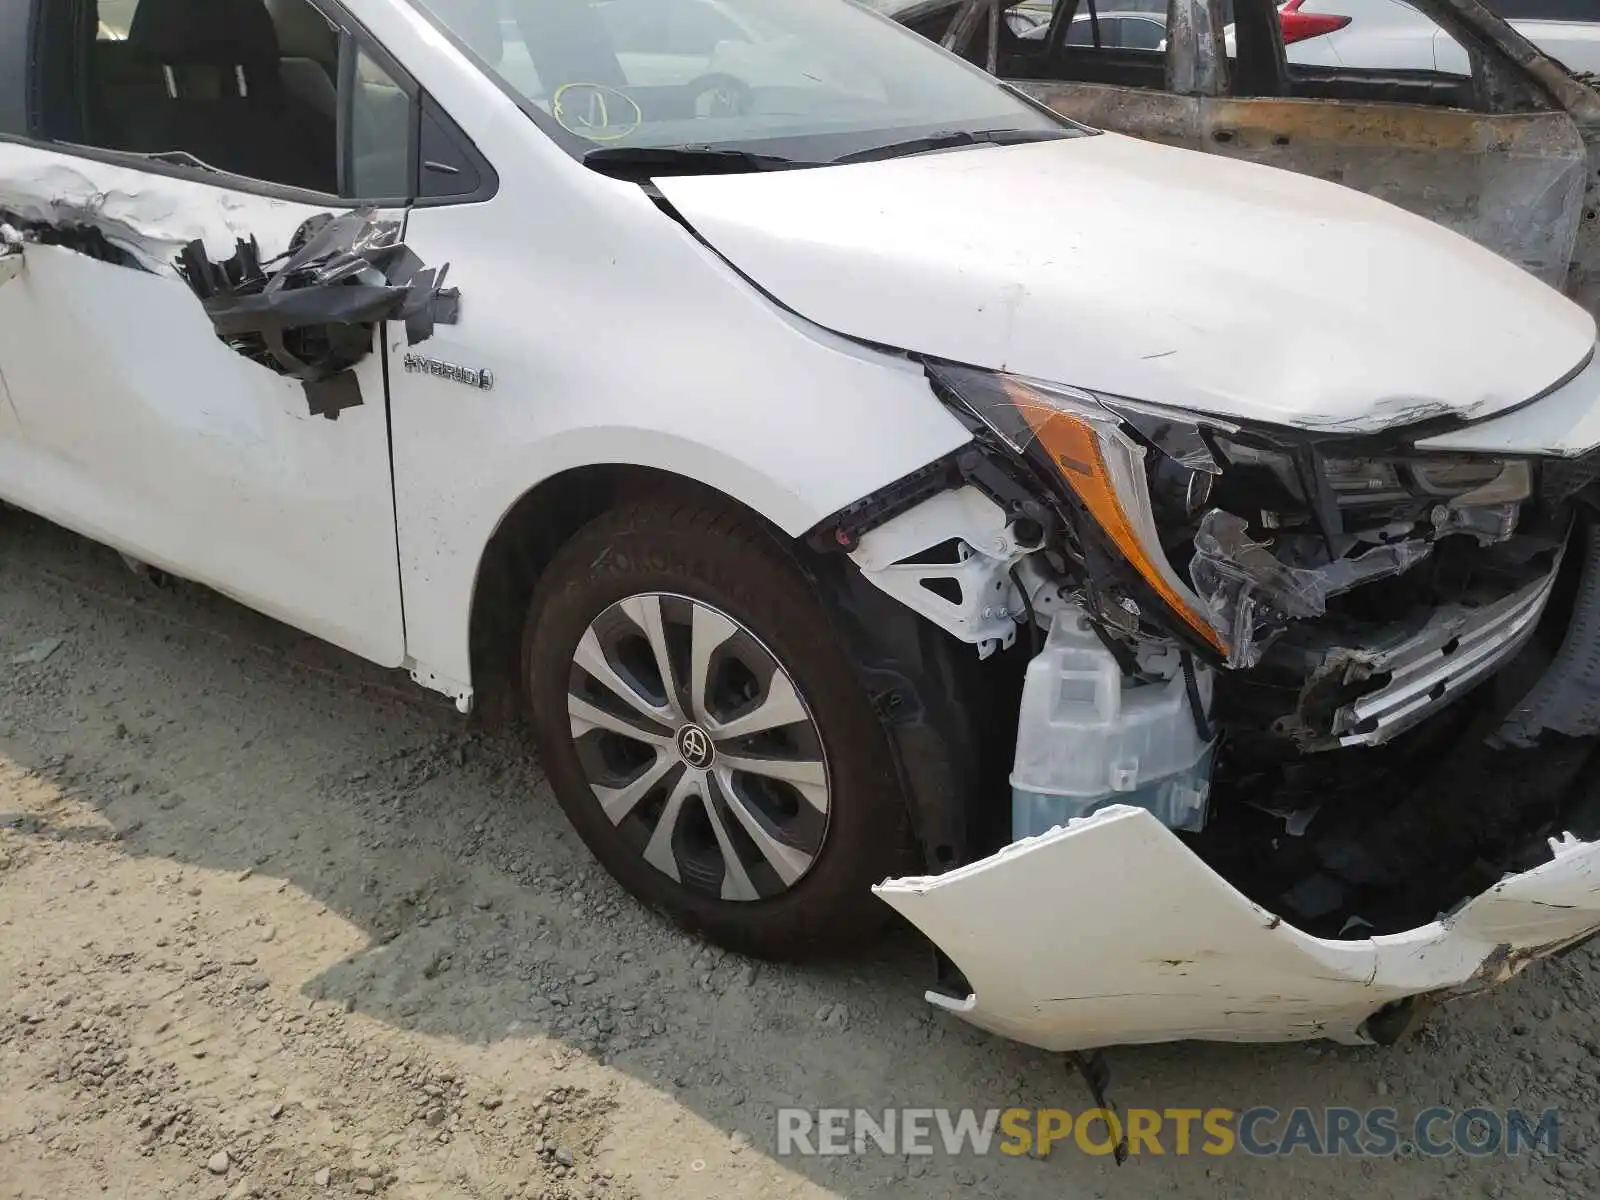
<point x="1164" y="275"/>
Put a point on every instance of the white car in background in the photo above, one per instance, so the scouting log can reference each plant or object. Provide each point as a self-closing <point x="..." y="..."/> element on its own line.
<point x="1121" y="28"/>
<point x="1392" y="34"/>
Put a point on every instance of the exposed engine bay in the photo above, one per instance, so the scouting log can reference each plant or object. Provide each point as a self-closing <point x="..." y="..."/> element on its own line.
<point x="1315" y="656"/>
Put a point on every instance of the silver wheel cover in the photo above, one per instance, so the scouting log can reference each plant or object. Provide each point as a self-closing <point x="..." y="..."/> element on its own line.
<point x="698" y="747"/>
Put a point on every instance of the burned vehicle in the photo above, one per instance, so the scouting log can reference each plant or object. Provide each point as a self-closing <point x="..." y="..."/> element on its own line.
<point x="1183" y="610"/>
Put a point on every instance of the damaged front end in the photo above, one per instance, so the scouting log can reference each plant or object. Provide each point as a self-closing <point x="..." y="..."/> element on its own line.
<point x="1304" y="716"/>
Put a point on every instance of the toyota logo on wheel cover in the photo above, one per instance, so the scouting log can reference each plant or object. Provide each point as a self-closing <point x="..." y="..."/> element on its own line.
<point x="694" y="744"/>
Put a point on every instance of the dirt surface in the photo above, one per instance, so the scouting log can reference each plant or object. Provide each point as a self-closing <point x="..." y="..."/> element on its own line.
<point x="273" y="922"/>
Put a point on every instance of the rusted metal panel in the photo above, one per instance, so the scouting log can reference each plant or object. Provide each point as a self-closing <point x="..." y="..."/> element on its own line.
<point x="1154" y="116"/>
<point x="1197" y="56"/>
<point x="1583" y="284"/>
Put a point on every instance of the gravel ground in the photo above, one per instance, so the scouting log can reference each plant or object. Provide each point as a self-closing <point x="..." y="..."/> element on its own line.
<point x="275" y="923"/>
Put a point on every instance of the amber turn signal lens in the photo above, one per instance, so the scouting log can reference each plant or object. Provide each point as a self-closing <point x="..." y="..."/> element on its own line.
<point x="1073" y="445"/>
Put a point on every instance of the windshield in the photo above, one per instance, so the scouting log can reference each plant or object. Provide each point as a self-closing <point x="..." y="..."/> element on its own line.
<point x="792" y="80"/>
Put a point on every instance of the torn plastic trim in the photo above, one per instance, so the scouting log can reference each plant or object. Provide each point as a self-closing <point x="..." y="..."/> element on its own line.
<point x="843" y="530"/>
<point x="311" y="313"/>
<point x="1111" y="930"/>
<point x="1561" y="480"/>
<point x="1250" y="596"/>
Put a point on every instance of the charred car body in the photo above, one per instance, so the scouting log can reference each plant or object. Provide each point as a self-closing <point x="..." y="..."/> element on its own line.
<point x="1133" y="577"/>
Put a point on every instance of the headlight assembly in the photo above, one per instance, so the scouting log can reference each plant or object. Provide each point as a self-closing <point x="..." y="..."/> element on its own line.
<point x="1088" y="448"/>
<point x="1265" y="524"/>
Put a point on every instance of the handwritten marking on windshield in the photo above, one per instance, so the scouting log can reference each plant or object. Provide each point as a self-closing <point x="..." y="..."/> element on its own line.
<point x="585" y="109"/>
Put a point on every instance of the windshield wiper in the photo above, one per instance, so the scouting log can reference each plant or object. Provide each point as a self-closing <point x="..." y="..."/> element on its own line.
<point x="950" y="139"/>
<point x="627" y="162"/>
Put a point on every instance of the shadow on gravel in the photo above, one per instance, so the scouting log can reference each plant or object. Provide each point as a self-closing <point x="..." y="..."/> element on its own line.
<point x="212" y="737"/>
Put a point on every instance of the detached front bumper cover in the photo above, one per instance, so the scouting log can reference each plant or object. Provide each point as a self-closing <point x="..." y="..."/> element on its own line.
<point x="1112" y="931"/>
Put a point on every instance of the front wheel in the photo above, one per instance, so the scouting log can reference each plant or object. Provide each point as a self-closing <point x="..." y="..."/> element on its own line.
<point x="706" y="734"/>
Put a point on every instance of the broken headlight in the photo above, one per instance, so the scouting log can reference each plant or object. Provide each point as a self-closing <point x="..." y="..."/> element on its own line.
<point x="1409" y="488"/>
<point x="1293" y="525"/>
<point x="1105" y="466"/>
<point x="1267" y="524"/>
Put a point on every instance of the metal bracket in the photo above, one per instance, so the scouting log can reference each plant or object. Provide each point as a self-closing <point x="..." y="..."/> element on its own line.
<point x="434" y="681"/>
<point x="950" y="559"/>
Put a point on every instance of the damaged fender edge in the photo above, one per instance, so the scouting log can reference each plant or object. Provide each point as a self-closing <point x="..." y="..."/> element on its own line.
<point x="1111" y="931"/>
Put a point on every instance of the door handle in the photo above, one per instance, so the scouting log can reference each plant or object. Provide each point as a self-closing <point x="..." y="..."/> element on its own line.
<point x="11" y="260"/>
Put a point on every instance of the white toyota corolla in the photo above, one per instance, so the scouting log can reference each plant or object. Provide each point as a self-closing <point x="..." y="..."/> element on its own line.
<point x="1183" y="607"/>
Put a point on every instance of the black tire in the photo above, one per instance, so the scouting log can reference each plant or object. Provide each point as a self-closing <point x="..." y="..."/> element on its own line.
<point x="709" y="553"/>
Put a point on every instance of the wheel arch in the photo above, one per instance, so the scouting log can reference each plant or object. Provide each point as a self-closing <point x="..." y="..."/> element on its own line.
<point x="936" y="704"/>
<point x="530" y="533"/>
